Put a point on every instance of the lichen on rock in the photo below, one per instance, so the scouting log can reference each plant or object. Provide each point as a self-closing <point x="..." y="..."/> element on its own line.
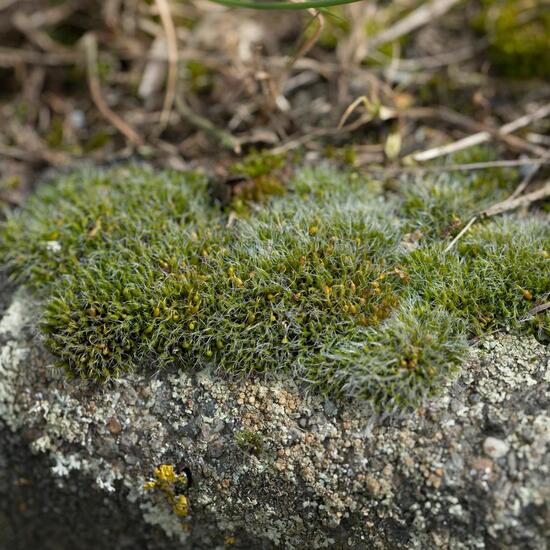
<point x="328" y="476"/>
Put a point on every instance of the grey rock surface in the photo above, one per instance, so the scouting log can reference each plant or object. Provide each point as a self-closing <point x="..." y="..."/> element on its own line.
<point x="269" y="465"/>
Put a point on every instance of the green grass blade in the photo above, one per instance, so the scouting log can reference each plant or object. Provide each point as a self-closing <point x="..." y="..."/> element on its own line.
<point x="251" y="4"/>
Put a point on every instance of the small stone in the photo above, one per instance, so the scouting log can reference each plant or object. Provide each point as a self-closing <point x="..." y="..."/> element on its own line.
<point x="495" y="448"/>
<point x="435" y="481"/>
<point x="113" y="425"/>
<point x="107" y="448"/>
<point x="216" y="449"/>
<point x="131" y="460"/>
<point x="373" y="485"/>
<point x="482" y="466"/>
<point x="226" y="483"/>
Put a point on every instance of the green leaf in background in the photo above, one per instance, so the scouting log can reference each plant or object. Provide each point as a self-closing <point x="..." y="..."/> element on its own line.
<point x="251" y="4"/>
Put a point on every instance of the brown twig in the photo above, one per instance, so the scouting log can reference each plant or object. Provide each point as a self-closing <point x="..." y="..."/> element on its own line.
<point x="16" y="153"/>
<point x="509" y="201"/>
<point x="531" y="171"/>
<point x="90" y="46"/>
<point x="537" y="309"/>
<point x="459" y="119"/>
<point x="316" y="16"/>
<point x="481" y="137"/>
<point x="462" y="167"/>
<point x="5" y="4"/>
<point x="24" y="24"/>
<point x="447" y="115"/>
<point x="274" y="85"/>
<point x="513" y="204"/>
<point x="352" y="107"/>
<point x="433" y="61"/>
<point x="10" y="57"/>
<point x="222" y="136"/>
<point x="463" y="231"/>
<point x="320" y="132"/>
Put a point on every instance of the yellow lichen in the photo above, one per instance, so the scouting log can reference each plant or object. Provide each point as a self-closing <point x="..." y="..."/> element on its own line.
<point x="165" y="472"/>
<point x="181" y="506"/>
<point x="169" y="484"/>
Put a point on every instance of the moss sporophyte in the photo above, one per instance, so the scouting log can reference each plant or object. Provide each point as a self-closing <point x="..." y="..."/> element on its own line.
<point x="337" y="281"/>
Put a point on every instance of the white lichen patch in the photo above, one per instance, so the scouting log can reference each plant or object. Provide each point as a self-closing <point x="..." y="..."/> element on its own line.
<point x="65" y="464"/>
<point x="514" y="369"/>
<point x="15" y="317"/>
<point x="13" y="355"/>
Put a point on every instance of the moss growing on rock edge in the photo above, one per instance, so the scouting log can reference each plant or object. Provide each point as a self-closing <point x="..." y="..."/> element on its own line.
<point x="138" y="269"/>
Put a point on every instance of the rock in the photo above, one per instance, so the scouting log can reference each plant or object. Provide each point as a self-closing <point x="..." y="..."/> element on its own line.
<point x="495" y="448"/>
<point x="113" y="425"/>
<point x="75" y="458"/>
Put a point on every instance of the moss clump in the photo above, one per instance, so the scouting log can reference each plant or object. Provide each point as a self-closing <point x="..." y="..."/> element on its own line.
<point x="497" y="272"/>
<point x="260" y="176"/>
<point x="200" y="77"/>
<point x="250" y="442"/>
<point x="137" y="268"/>
<point x="519" y="36"/>
<point x="438" y="206"/>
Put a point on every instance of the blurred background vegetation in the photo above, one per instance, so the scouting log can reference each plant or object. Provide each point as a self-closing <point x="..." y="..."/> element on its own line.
<point x="194" y="83"/>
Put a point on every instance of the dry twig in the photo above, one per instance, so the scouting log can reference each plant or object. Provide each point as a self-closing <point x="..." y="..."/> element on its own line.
<point x="221" y="136"/>
<point x="463" y="231"/>
<point x="537" y="309"/>
<point x="531" y="171"/>
<point x="513" y="163"/>
<point x="482" y="137"/>
<point x="459" y="119"/>
<point x="90" y="46"/>
<point x="316" y="17"/>
<point x="5" y="4"/>
<point x="509" y="204"/>
<point x="418" y="18"/>
<point x="513" y="204"/>
<point x="11" y="57"/>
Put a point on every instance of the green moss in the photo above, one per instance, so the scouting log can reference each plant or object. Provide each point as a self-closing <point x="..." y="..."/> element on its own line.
<point x="396" y="363"/>
<point x="97" y="141"/>
<point x="200" y="77"/>
<point x="500" y="266"/>
<point x="258" y="164"/>
<point x="438" y="206"/>
<point x="250" y="442"/>
<point x="519" y="36"/>
<point x="344" y="155"/>
<point x="261" y="174"/>
<point x="141" y="269"/>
